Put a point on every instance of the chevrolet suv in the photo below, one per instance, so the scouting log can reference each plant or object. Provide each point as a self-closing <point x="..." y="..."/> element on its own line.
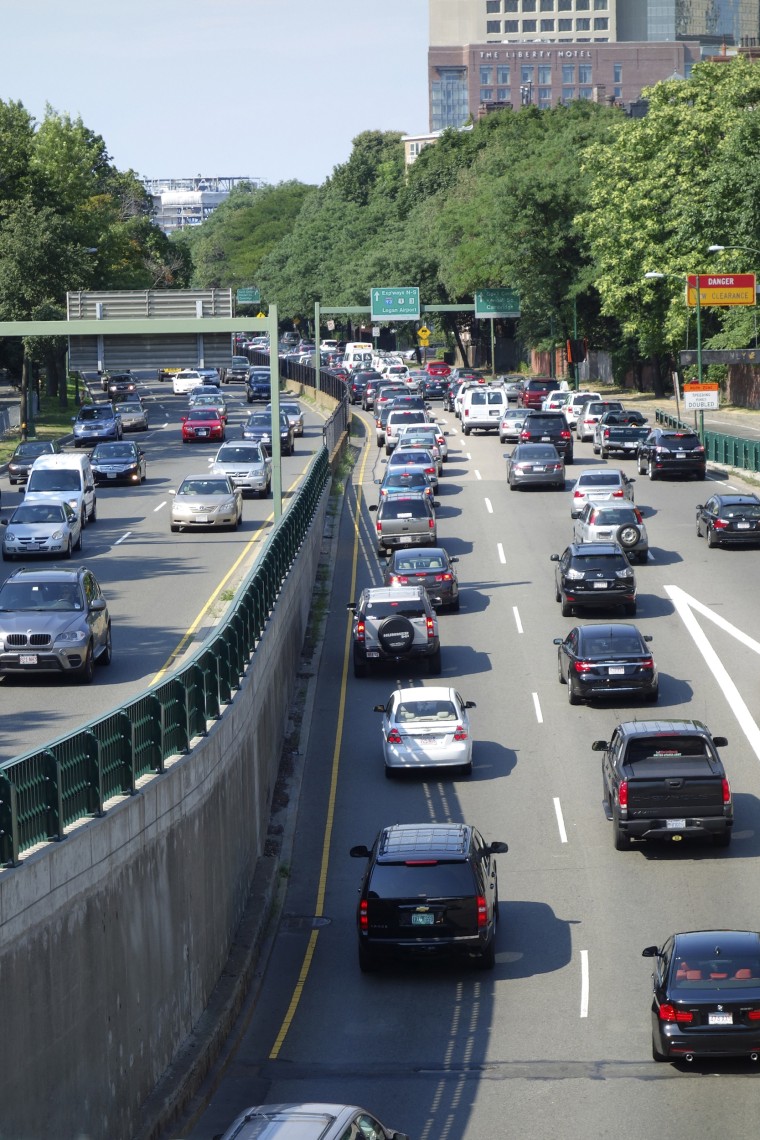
<point x="394" y="624"/>
<point x="594" y="575"/>
<point x="664" y="452"/>
<point x="548" y="427"/>
<point x="429" y="890"/>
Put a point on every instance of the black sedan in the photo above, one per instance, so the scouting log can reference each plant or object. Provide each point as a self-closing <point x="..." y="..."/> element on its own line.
<point x="606" y="660"/>
<point x="706" y="995"/>
<point x="122" y="462"/>
<point x="535" y="464"/>
<point x="729" y="520"/>
<point x="432" y="568"/>
<point x="434" y="387"/>
<point x="258" y="429"/>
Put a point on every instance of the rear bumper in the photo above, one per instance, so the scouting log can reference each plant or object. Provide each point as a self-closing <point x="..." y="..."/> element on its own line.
<point x="704" y="828"/>
<point x="464" y="946"/>
<point x="673" y="1041"/>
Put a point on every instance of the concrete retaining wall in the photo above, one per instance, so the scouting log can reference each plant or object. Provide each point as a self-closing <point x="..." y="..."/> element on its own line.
<point x="112" y="941"/>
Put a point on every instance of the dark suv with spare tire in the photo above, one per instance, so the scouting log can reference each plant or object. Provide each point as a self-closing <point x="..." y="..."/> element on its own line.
<point x="429" y="890"/>
<point x="397" y="624"/>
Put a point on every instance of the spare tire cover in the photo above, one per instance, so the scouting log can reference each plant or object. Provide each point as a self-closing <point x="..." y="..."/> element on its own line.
<point x="628" y="535"/>
<point x="396" y="634"/>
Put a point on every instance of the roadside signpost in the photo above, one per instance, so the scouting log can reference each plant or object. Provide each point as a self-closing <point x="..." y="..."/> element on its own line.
<point x="249" y="295"/>
<point x="720" y="289"/>
<point x="395" y="304"/>
<point x="496" y="303"/>
<point x="701" y="397"/>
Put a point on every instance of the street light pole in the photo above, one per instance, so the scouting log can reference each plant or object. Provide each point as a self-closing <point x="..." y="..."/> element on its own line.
<point x="698" y="304"/>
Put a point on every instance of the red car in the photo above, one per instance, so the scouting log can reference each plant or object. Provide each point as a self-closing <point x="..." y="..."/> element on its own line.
<point x="438" y="368"/>
<point x="202" y="423"/>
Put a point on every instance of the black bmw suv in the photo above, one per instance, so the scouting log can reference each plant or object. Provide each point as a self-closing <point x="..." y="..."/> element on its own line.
<point x="429" y="890"/>
<point x="594" y="575"/>
<point x="666" y="451"/>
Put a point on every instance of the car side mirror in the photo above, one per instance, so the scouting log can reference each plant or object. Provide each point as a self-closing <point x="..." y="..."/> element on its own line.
<point x="470" y="705"/>
<point x="700" y="506"/>
<point x="600" y="746"/>
<point x="378" y="708"/>
<point x="373" y="507"/>
<point x="98" y="605"/>
<point x="359" y="852"/>
<point x="496" y="848"/>
<point x="557" y="640"/>
<point x="3" y="522"/>
<point x="650" y="952"/>
<point x="720" y="741"/>
<point x="554" y="557"/>
<point x="454" y="559"/>
<point x="647" y="637"/>
<point x="351" y="606"/>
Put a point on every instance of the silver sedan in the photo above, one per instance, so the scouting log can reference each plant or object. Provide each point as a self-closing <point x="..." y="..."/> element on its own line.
<point x="42" y="528"/>
<point x="247" y="465"/>
<point x="134" y="416"/>
<point x="293" y="411"/>
<point x="426" y="728"/>
<point x="207" y="501"/>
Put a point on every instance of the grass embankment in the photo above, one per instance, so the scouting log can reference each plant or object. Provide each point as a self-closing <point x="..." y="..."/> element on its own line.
<point x="51" y="422"/>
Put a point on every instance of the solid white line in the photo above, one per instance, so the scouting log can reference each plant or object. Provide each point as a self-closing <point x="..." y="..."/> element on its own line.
<point x="560" y="820"/>
<point x="537" y="706"/>
<point x="518" y="623"/>
<point x="478" y="475"/>
<point x="584" y="983"/>
<point x="160" y="506"/>
<point x="467" y="455"/>
<point x="489" y="508"/>
<point x="684" y="604"/>
<point x="502" y="555"/>
<point x="123" y="538"/>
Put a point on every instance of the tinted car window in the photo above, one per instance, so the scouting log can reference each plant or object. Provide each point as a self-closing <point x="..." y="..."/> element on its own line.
<point x="438" y="880"/>
<point x="679" y="442"/>
<point x="404" y="509"/>
<point x="599" y="479"/>
<point x="609" y="562"/>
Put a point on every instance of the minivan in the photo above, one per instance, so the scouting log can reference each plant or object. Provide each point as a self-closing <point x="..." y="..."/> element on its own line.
<point x="68" y="478"/>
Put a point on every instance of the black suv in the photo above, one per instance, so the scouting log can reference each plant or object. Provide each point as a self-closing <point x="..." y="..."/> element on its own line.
<point x="394" y="624"/>
<point x="259" y="385"/>
<point x="20" y="463"/>
<point x="666" y="450"/>
<point x="548" y="427"/>
<point x="594" y="575"/>
<point x="429" y="890"/>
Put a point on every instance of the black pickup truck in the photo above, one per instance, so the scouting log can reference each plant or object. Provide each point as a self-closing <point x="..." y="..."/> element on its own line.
<point x="663" y="779"/>
<point x="620" y="431"/>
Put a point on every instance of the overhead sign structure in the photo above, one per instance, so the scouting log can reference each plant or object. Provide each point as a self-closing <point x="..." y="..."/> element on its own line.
<point x="248" y="296"/>
<point x="701" y="397"/>
<point x="395" y="304"/>
<point x="497" y="303"/>
<point x="721" y="289"/>
<point x="721" y="356"/>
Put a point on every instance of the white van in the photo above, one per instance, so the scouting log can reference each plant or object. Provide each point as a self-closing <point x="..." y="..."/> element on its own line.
<point x="482" y="408"/>
<point x="574" y="405"/>
<point x="66" y="478"/>
<point x="357" y="352"/>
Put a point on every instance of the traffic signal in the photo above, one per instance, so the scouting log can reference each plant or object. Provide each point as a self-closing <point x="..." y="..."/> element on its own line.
<point x="576" y="351"/>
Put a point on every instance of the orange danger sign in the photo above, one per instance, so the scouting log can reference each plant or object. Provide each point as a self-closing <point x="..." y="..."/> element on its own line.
<point x="721" y="289"/>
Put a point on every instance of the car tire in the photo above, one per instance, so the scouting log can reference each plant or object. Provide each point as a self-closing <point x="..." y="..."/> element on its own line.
<point x="722" y="840"/>
<point x="560" y="486"/>
<point x="368" y="963"/>
<point x="434" y="664"/>
<point x="396" y="635"/>
<point x="628" y="536"/>
<point x="629" y="609"/>
<point x="466" y="430"/>
<point x="651" y="471"/>
<point x="712" y="540"/>
<point x="560" y="678"/>
<point x="567" y="609"/>
<point x="94" y="512"/>
<point x="701" y="475"/>
<point x="512" y="485"/>
<point x="569" y="457"/>
<point x="572" y="696"/>
<point x="107" y="654"/>
<point x="67" y="553"/>
<point x="175" y="528"/>
<point x="595" y="449"/>
<point x="487" y="960"/>
<point x="699" y="529"/>
<point x="641" y="470"/>
<point x="455" y="605"/>
<point x="653" y="695"/>
<point x="604" y="453"/>
<point x="87" y="671"/>
<point x="621" y="840"/>
<point x="656" y="1054"/>
<point x="78" y="545"/>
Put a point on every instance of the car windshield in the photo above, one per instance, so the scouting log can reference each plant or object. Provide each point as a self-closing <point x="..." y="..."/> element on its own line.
<point x="16" y="596"/>
<point x="30" y="450"/>
<point x="38" y="513"/>
<point x="202" y="413"/>
<point x="62" y="479"/>
<point x="204" y="487"/>
<point x="104" y="412"/>
<point x="114" y="451"/>
<point x="238" y="454"/>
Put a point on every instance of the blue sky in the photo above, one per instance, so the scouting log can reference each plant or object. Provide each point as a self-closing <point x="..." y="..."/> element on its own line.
<point x="274" y="89"/>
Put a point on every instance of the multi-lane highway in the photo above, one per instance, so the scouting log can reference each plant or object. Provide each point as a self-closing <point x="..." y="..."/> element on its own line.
<point x="165" y="591"/>
<point x="556" y="1041"/>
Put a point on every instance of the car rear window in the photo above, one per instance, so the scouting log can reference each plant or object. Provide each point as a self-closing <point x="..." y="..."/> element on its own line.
<point x="421" y="880"/>
<point x="615" y="516"/>
<point x="680" y="442"/>
<point x="546" y="423"/>
<point x="536" y="453"/>
<point x="420" y="563"/>
<point x="598" y="479"/>
<point x="666" y="748"/>
<point x="606" y="562"/>
<point x="412" y="608"/>
<point x="404" y="509"/>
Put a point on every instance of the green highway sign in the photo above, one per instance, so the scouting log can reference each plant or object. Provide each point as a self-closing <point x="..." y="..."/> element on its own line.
<point x="497" y="303"/>
<point x="395" y="304"/>
<point x="249" y="296"/>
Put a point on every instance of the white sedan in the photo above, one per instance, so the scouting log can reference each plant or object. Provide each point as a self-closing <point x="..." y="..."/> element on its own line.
<point x="42" y="527"/>
<point x="207" y="501"/>
<point x="184" y="382"/>
<point x="426" y="728"/>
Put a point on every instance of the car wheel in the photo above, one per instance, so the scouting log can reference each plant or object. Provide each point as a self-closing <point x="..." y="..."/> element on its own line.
<point x="78" y="545"/>
<point x="487" y="960"/>
<point x="455" y="605"/>
<point x="560" y="486"/>
<point x="641" y="469"/>
<point x="361" y="667"/>
<point x="502" y="439"/>
<point x="653" y="695"/>
<point x="83" y="519"/>
<point x="620" y="838"/>
<point x="94" y="511"/>
<point x="434" y="664"/>
<point x="630" y="609"/>
<point x="699" y="529"/>
<point x="628" y="536"/>
<point x="567" y="609"/>
<point x="701" y="474"/>
<point x="656" y="1054"/>
<point x="87" y="671"/>
<point x="465" y="770"/>
<point x="175" y="528"/>
<point x="512" y="485"/>
<point x="596" y="449"/>
<point x="712" y="538"/>
<point x="6" y="556"/>
<point x="107" y="652"/>
<point x="560" y="677"/>
<point x="557" y="595"/>
<point x="651" y="471"/>
<point x="367" y="960"/>
<point x="572" y="696"/>
<point x="722" y="840"/>
<point x="68" y="550"/>
<point x="570" y="457"/>
<point x="466" y="431"/>
<point x="604" y="453"/>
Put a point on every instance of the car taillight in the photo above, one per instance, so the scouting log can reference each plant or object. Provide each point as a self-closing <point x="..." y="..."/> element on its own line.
<point x="668" y="1012"/>
<point x="440" y="440"/>
<point x="726" y="792"/>
<point x="482" y="912"/>
<point x="363" y="915"/>
<point x="398" y="580"/>
<point x="431" y="523"/>
<point x="564" y="435"/>
<point x="467" y="411"/>
<point x="617" y="495"/>
<point x="637" y="512"/>
<point x="647" y="663"/>
<point x="720" y="524"/>
<point x="360" y="630"/>
<point x="443" y="577"/>
<point x="430" y="626"/>
<point x="460" y="733"/>
<point x="578" y="494"/>
<point x="623" y="794"/>
<point x="430" y="470"/>
<point x="753" y="1015"/>
<point x="524" y="434"/>
<point x="379" y="527"/>
<point x="582" y="666"/>
<point x="394" y="736"/>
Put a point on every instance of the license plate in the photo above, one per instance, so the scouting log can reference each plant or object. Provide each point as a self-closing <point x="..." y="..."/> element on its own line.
<point x="111" y="474"/>
<point x="616" y="671"/>
<point x="28" y="659"/>
<point x="537" y="468"/>
<point x="720" y="1019"/>
<point x="680" y="455"/>
<point x="373" y="653"/>
<point x="545" y="438"/>
<point x="201" y="518"/>
<point x="423" y="919"/>
<point x="600" y="585"/>
<point x="425" y="739"/>
<point x="629" y="446"/>
<point x="675" y="824"/>
<point x="494" y="412"/>
<point x="202" y="431"/>
<point x="742" y="526"/>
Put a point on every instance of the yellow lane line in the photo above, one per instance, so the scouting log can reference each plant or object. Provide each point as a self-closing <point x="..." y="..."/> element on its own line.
<point x="330" y="818"/>
<point x="187" y="637"/>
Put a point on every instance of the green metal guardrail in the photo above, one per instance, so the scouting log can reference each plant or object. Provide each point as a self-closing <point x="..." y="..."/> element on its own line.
<point x="44" y="792"/>
<point x="728" y="450"/>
